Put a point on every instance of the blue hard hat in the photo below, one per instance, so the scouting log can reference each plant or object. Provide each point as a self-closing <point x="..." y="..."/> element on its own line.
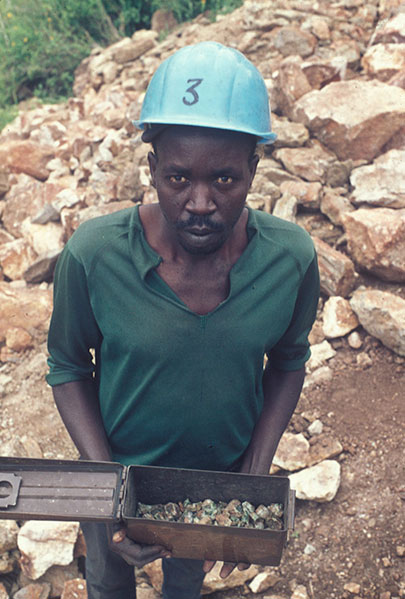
<point x="208" y="85"/>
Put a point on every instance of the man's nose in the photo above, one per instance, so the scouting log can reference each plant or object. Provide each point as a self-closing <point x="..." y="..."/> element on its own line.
<point x="200" y="200"/>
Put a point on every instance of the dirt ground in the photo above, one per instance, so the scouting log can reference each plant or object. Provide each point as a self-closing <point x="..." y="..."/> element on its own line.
<point x="359" y="537"/>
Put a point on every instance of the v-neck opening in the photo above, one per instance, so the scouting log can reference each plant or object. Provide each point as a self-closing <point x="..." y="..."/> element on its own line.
<point x="152" y="259"/>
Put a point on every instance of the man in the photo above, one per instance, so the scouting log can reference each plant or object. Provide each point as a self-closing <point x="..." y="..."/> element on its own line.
<point x="181" y="301"/>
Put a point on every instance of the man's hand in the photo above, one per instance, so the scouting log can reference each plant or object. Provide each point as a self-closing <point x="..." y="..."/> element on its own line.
<point x="132" y="553"/>
<point x="226" y="569"/>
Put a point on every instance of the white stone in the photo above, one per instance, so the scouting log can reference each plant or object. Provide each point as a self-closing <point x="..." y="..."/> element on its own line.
<point x="355" y="340"/>
<point x="318" y="483"/>
<point x="45" y="544"/>
<point x="315" y="428"/>
<point x="263" y="581"/>
<point x="382" y="314"/>
<point x="292" y="452"/>
<point x="309" y="549"/>
<point x="338" y="317"/>
<point x="300" y="592"/>
<point x="320" y="353"/>
<point x="323" y="374"/>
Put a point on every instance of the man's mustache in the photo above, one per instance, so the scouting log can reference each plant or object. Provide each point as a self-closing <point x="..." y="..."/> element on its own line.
<point x="203" y="221"/>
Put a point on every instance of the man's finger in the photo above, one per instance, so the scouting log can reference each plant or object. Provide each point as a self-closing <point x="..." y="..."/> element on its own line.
<point x="243" y="566"/>
<point x="226" y="569"/>
<point x="208" y="565"/>
<point x="119" y="536"/>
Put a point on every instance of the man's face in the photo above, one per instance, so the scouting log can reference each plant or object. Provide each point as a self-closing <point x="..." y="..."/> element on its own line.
<point x="202" y="177"/>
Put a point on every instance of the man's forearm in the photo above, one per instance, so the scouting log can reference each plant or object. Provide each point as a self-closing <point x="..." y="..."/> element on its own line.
<point x="79" y="408"/>
<point x="281" y="393"/>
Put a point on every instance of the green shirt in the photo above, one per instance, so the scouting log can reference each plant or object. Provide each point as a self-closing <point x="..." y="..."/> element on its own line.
<point x="177" y="388"/>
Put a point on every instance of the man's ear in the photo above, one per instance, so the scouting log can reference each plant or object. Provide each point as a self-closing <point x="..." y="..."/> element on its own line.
<point x="152" y="159"/>
<point x="253" y="162"/>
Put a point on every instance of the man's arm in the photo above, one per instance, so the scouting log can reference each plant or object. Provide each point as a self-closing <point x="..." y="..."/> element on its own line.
<point x="78" y="405"/>
<point x="79" y="408"/>
<point x="281" y="393"/>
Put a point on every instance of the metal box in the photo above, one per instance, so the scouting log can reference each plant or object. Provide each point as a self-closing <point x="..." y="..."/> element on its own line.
<point x="105" y="492"/>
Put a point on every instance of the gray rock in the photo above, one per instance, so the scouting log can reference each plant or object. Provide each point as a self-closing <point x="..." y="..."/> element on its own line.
<point x="42" y="269"/>
<point x="315" y="428"/>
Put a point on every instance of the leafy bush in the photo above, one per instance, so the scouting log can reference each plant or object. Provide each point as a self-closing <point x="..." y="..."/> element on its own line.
<point x="41" y="46"/>
<point x="43" y="41"/>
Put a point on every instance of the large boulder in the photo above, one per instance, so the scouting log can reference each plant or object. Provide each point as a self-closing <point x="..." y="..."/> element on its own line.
<point x="381" y="183"/>
<point x="24" y="308"/>
<point x="310" y="163"/>
<point x="45" y="544"/>
<point x="376" y="241"/>
<point x="382" y="314"/>
<point x="318" y="483"/>
<point x="26" y="157"/>
<point x="353" y="118"/>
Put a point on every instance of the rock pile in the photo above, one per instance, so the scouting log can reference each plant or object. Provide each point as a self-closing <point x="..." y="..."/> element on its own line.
<point x="335" y="72"/>
<point x="336" y="77"/>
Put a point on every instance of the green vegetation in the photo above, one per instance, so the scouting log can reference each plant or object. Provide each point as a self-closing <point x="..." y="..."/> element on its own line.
<point x="7" y="115"/>
<point x="43" y="41"/>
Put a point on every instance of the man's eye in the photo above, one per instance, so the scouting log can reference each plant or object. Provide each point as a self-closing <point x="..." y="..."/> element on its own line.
<point x="225" y="180"/>
<point x="177" y="179"/>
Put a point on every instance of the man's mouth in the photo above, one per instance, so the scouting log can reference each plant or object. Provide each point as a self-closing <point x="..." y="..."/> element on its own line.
<point x="199" y="232"/>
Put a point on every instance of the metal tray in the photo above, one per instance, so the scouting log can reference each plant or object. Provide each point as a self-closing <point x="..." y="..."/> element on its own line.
<point x="33" y="489"/>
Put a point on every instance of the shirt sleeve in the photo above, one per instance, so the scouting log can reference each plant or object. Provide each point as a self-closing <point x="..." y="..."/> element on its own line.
<point x="292" y="351"/>
<point x="73" y="329"/>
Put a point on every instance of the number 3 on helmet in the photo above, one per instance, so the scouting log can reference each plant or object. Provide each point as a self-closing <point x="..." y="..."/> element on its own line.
<point x="208" y="85"/>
